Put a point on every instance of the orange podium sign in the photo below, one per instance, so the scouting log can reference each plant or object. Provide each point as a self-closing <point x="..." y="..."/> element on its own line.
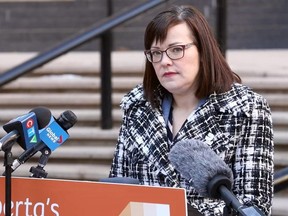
<point x="45" y="197"/>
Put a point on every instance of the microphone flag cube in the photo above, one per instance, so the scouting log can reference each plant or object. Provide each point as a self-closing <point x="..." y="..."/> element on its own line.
<point x="27" y="127"/>
<point x="53" y="135"/>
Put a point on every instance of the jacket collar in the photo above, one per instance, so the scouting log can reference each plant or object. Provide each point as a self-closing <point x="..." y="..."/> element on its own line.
<point x="233" y="101"/>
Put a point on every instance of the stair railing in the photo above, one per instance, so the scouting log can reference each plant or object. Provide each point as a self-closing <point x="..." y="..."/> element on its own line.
<point x="98" y="30"/>
<point x="281" y="180"/>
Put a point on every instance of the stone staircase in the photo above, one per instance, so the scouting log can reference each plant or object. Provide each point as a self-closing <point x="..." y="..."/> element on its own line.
<point x="72" y="83"/>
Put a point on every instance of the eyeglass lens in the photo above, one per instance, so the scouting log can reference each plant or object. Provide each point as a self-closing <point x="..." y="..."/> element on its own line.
<point x="173" y="53"/>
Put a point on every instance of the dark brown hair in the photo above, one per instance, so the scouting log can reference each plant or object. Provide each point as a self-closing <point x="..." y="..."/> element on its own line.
<point x="214" y="74"/>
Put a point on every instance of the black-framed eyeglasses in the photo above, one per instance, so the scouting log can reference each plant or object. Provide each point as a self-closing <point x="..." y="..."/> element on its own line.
<point x="173" y="52"/>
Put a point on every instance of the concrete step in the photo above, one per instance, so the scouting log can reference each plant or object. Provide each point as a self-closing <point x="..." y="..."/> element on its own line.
<point x="66" y="100"/>
<point x="280" y="137"/>
<point x="279" y="207"/>
<point x="279" y="101"/>
<point x="83" y="136"/>
<point x="262" y="84"/>
<point x="280" y="118"/>
<point x="84" y="83"/>
<point x="85" y="117"/>
<point x="280" y="158"/>
<point x="56" y="83"/>
<point x="77" y="170"/>
<point x="79" y="152"/>
<point x="259" y="63"/>
<point x="129" y="63"/>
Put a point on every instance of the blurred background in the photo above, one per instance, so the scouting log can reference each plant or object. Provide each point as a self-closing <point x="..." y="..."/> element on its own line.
<point x="84" y="55"/>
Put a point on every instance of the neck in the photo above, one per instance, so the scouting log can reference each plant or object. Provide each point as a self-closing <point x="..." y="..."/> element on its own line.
<point x="185" y="102"/>
<point x="182" y="108"/>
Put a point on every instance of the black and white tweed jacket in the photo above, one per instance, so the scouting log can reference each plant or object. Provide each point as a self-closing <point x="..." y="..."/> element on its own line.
<point x="237" y="125"/>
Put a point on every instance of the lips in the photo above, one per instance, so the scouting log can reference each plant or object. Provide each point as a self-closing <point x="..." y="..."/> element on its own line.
<point x="168" y="74"/>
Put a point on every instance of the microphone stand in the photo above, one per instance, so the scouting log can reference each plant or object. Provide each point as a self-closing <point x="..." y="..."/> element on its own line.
<point x="231" y="201"/>
<point x="8" y="160"/>
<point x="220" y="187"/>
<point x="6" y="145"/>
<point x="39" y="172"/>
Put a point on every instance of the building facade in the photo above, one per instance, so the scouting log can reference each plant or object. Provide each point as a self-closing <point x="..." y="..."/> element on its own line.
<point x="37" y="25"/>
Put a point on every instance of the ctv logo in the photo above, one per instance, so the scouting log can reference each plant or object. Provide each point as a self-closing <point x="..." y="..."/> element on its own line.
<point x="31" y="130"/>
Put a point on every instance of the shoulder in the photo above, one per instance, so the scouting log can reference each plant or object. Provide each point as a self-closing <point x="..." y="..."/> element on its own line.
<point x="239" y="98"/>
<point x="135" y="96"/>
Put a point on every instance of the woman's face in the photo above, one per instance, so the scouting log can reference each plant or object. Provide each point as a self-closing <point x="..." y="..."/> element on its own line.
<point x="178" y="76"/>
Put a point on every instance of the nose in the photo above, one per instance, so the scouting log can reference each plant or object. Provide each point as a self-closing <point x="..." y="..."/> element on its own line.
<point x="165" y="59"/>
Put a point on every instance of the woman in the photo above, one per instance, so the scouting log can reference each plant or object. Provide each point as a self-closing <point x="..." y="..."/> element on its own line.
<point x="189" y="91"/>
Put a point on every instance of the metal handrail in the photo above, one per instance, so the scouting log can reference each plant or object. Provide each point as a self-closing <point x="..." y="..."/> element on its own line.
<point x="281" y="180"/>
<point x="75" y="42"/>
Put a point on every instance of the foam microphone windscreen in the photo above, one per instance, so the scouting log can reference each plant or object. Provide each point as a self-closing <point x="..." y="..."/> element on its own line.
<point x="198" y="163"/>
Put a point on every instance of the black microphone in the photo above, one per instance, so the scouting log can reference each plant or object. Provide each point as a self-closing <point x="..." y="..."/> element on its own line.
<point x="52" y="136"/>
<point x="120" y="180"/>
<point x="24" y="129"/>
<point x="207" y="173"/>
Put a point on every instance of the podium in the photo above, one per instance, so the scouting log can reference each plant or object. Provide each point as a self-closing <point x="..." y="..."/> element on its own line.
<point x="45" y="197"/>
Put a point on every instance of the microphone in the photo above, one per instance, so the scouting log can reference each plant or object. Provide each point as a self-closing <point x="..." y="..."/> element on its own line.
<point x="52" y="136"/>
<point x="24" y="129"/>
<point x="207" y="173"/>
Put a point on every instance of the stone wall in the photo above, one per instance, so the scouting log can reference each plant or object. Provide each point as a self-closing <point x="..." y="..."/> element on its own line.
<point x="39" y="25"/>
